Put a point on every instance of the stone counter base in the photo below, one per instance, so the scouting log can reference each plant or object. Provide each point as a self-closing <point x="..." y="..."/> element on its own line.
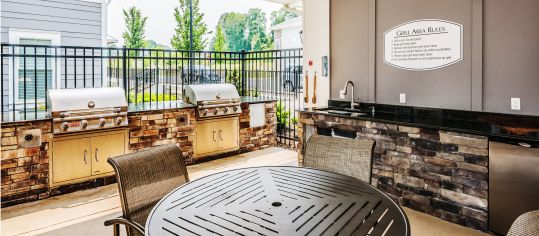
<point x="25" y="170"/>
<point x="444" y="174"/>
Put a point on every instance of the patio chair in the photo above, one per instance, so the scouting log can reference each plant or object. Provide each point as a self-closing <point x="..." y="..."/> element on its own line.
<point x="526" y="224"/>
<point x="144" y="178"/>
<point x="352" y="157"/>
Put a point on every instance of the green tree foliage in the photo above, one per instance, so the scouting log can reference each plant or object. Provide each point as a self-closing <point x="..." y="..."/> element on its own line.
<point x="245" y="31"/>
<point x="281" y="16"/>
<point x="181" y="39"/>
<point x="256" y="25"/>
<point x="135" y="23"/>
<point x="233" y="26"/>
<point x="219" y="43"/>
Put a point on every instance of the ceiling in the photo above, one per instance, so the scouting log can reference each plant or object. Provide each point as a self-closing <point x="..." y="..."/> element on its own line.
<point x="294" y="6"/>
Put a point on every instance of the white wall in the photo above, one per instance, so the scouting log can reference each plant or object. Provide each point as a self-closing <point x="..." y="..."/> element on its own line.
<point x="290" y="38"/>
<point x="315" y="46"/>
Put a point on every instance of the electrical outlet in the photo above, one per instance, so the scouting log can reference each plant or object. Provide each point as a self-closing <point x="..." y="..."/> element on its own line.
<point x="402" y="98"/>
<point x="515" y="104"/>
<point x="341" y="94"/>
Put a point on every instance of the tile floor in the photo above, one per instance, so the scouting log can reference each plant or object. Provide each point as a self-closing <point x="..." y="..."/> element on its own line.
<point x="83" y="213"/>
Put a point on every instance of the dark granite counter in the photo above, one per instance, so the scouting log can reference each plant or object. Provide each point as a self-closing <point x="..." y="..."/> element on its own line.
<point x="498" y="127"/>
<point x="254" y="100"/>
<point x="16" y="117"/>
<point x="152" y="106"/>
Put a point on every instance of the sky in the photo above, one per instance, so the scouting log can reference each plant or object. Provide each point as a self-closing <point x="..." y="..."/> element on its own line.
<point x="160" y="24"/>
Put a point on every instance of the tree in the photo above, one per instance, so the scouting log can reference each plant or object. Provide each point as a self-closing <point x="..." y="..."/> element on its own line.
<point x="219" y="43"/>
<point x="281" y="16"/>
<point x="245" y="31"/>
<point x="256" y="26"/>
<point x="135" y="23"/>
<point x="233" y="26"/>
<point x="181" y="38"/>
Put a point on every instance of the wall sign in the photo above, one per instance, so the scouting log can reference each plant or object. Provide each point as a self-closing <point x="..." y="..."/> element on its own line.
<point x="423" y="45"/>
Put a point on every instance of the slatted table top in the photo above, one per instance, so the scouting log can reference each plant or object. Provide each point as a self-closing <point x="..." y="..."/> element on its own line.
<point x="277" y="201"/>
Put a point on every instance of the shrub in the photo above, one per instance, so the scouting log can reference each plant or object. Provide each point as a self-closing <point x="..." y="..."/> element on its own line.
<point x="234" y="78"/>
<point x="139" y="98"/>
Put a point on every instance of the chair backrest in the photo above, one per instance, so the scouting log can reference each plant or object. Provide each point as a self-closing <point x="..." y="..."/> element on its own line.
<point x="144" y="177"/>
<point x="526" y="224"/>
<point x="352" y="157"/>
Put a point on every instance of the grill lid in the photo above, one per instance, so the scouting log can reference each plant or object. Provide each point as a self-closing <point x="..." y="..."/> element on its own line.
<point x="200" y="93"/>
<point x="87" y="98"/>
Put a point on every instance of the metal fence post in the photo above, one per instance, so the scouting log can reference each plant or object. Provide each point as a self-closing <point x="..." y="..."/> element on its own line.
<point x="243" y="73"/>
<point x="124" y="70"/>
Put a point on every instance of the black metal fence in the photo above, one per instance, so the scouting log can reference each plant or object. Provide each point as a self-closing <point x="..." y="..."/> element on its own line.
<point x="148" y="76"/>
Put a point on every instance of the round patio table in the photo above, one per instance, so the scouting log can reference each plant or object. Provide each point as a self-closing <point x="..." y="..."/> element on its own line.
<point x="277" y="201"/>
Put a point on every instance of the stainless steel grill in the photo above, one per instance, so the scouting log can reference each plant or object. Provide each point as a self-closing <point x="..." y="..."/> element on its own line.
<point x="213" y="100"/>
<point x="75" y="110"/>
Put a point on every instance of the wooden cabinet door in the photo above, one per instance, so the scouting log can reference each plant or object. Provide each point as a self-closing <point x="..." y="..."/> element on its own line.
<point x="71" y="160"/>
<point x="228" y="134"/>
<point x="206" y="137"/>
<point x="103" y="147"/>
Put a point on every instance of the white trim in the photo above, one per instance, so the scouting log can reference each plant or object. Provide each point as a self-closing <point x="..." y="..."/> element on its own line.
<point x="104" y="22"/>
<point x="95" y="1"/>
<point x="14" y="37"/>
<point x="104" y="35"/>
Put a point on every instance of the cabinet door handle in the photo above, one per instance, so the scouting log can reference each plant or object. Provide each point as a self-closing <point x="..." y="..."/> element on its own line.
<point x="221" y="135"/>
<point x="214" y="136"/>
<point x="85" y="153"/>
<point x="96" y="154"/>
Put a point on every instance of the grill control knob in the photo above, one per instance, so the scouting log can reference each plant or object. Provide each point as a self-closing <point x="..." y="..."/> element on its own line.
<point x="64" y="126"/>
<point x="205" y="112"/>
<point x="84" y="124"/>
<point x="101" y="122"/>
<point x="118" y="120"/>
<point x="236" y="108"/>
<point x="215" y="111"/>
<point x="225" y="110"/>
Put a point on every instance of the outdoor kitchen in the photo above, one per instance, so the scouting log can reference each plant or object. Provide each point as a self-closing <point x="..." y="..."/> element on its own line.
<point x="269" y="117"/>
<point x="69" y="151"/>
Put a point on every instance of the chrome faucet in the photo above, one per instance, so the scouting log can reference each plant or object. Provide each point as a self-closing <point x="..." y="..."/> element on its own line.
<point x="352" y="103"/>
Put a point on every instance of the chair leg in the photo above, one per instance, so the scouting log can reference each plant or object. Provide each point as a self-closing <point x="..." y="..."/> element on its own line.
<point x="116" y="230"/>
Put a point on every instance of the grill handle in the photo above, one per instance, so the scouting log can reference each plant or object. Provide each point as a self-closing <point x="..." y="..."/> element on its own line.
<point x="96" y="116"/>
<point x="221" y="135"/>
<point x="96" y="154"/>
<point x="85" y="153"/>
<point x="214" y="136"/>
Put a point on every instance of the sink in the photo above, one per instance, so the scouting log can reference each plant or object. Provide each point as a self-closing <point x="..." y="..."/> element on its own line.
<point x="344" y="112"/>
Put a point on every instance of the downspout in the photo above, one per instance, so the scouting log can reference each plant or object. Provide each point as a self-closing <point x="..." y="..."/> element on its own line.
<point x="104" y="35"/>
<point x="104" y="22"/>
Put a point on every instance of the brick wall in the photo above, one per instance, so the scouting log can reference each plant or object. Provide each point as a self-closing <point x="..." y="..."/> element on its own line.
<point x="255" y="138"/>
<point x="444" y="174"/>
<point x="155" y="128"/>
<point x="25" y="170"/>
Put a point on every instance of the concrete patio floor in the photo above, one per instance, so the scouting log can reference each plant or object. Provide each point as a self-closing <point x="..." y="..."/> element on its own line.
<point x="83" y="213"/>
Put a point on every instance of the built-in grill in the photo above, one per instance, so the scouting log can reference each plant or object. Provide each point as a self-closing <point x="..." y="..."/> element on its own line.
<point x="213" y="100"/>
<point x="76" y="110"/>
<point x="217" y="114"/>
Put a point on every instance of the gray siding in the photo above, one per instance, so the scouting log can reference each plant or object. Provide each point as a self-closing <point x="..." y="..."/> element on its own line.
<point x="79" y="22"/>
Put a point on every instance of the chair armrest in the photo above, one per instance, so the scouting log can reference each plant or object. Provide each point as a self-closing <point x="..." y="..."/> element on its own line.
<point x="126" y="222"/>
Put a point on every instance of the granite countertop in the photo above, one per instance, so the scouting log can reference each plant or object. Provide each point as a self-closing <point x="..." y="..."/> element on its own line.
<point x="163" y="105"/>
<point x="501" y="127"/>
<point x="253" y="100"/>
<point x="131" y="108"/>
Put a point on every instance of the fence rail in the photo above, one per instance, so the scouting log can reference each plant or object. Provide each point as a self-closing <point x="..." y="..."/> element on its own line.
<point x="147" y="75"/>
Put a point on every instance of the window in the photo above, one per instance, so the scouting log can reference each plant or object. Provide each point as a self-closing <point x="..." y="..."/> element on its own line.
<point x="34" y="73"/>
